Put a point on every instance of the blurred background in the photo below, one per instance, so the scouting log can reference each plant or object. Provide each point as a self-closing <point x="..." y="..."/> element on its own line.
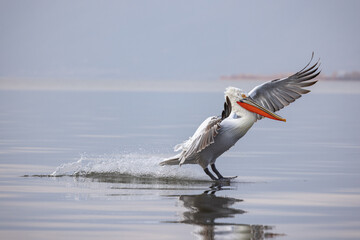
<point x="99" y="92"/>
<point x="115" y="42"/>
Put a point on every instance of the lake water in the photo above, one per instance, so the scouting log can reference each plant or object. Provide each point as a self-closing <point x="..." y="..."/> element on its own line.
<point x="84" y="165"/>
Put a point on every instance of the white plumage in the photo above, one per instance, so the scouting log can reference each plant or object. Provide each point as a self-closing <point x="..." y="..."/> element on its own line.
<point x="217" y="134"/>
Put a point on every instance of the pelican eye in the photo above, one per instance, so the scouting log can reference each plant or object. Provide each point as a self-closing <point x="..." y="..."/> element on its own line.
<point x="243" y="95"/>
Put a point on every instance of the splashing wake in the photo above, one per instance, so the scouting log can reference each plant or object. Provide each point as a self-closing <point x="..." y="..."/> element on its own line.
<point x="133" y="164"/>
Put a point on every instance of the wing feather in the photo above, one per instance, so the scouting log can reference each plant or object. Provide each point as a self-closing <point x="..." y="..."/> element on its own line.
<point x="202" y="138"/>
<point x="276" y="94"/>
<point x="227" y="108"/>
<point x="204" y="135"/>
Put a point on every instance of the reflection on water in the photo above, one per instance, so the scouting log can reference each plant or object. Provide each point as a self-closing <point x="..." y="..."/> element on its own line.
<point x="305" y="173"/>
<point x="205" y="208"/>
<point x="207" y="212"/>
<point x="212" y="216"/>
<point x="140" y="180"/>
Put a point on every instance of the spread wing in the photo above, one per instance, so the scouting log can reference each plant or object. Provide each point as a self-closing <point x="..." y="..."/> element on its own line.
<point x="204" y="135"/>
<point x="276" y="94"/>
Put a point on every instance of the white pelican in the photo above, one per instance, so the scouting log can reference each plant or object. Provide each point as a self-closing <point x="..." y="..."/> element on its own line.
<point x="218" y="134"/>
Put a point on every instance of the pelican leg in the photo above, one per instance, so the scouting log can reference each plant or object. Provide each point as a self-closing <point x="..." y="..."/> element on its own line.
<point x="219" y="174"/>
<point x="206" y="170"/>
<point x="216" y="171"/>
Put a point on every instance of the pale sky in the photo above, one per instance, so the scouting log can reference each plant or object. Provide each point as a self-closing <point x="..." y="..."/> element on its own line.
<point x="173" y="40"/>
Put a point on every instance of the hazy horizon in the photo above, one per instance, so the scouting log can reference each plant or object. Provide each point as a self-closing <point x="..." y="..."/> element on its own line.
<point x="161" y="40"/>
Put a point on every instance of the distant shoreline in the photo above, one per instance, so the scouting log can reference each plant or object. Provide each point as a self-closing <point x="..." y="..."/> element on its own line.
<point x="352" y="76"/>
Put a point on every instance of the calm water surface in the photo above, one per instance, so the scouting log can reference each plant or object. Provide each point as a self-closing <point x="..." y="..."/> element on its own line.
<point x="297" y="180"/>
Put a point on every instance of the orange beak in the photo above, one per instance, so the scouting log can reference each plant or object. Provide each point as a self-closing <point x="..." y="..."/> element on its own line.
<point x="252" y="106"/>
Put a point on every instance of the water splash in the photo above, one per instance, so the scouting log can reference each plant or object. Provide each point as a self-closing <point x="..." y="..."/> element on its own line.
<point x="133" y="164"/>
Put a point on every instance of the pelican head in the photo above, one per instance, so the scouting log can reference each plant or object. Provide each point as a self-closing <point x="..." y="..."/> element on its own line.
<point x="235" y="94"/>
<point x="242" y="104"/>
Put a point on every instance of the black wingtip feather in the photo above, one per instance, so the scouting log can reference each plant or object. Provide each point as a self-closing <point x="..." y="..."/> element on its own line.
<point x="310" y="77"/>
<point x="227" y="108"/>
<point x="308" y="84"/>
<point x="309" y="71"/>
<point x="305" y="71"/>
<point x="312" y="56"/>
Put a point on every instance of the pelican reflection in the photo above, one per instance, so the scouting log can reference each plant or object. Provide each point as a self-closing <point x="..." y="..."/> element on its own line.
<point x="205" y="208"/>
<point x="208" y="213"/>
